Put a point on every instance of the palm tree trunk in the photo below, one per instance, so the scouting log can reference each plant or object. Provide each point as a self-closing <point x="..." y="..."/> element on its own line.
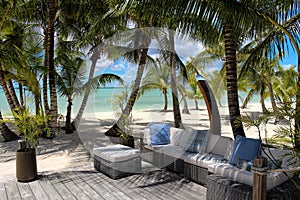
<point x="51" y="67"/>
<point x="137" y="82"/>
<point x="272" y="98"/>
<point x="37" y="103"/>
<point x="6" y="133"/>
<point x="69" y="128"/>
<point x="231" y="77"/>
<point x="21" y="94"/>
<point x="185" y="109"/>
<point x="297" y="116"/>
<point x="45" y="77"/>
<point x="166" y="99"/>
<point x="78" y="117"/>
<point x="176" y="109"/>
<point x="196" y="103"/>
<point x="262" y="100"/>
<point x="6" y="91"/>
<point x="13" y="93"/>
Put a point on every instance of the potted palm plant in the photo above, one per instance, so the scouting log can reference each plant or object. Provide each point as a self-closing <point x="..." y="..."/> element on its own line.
<point x="31" y="127"/>
<point x="126" y="137"/>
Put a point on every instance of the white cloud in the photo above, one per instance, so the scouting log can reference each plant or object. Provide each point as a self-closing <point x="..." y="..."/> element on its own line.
<point x="130" y="74"/>
<point x="102" y="64"/>
<point x="118" y="67"/>
<point x="287" y="66"/>
<point x="187" y="47"/>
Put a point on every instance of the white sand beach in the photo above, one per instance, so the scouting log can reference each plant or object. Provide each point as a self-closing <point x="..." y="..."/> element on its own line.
<point x="74" y="150"/>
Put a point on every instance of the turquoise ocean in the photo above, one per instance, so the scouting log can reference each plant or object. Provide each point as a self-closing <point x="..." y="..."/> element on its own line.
<point x="100" y="101"/>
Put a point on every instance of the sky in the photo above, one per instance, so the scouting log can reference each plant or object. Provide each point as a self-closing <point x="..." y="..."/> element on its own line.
<point x="185" y="47"/>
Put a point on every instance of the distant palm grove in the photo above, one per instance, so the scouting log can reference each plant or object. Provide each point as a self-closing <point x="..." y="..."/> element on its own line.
<point x="44" y="44"/>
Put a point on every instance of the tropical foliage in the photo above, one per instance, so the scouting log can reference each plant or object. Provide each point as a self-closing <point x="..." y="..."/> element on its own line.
<point x="247" y="36"/>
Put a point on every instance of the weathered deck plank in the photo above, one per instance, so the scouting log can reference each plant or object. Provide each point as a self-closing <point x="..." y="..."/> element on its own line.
<point x="51" y="191"/>
<point x="59" y="186"/>
<point x="25" y="191"/>
<point x="97" y="184"/>
<point x="3" y="191"/>
<point x="12" y="191"/>
<point x="38" y="191"/>
<point x="85" y="187"/>
<point x="87" y="183"/>
<point x="73" y="188"/>
<point x="94" y="180"/>
<point x="111" y="191"/>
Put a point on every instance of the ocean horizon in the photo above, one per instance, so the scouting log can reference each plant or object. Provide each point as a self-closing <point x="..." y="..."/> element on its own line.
<point x="100" y="101"/>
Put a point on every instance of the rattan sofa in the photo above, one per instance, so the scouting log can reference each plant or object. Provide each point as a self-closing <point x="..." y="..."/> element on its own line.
<point x="212" y="159"/>
<point x="192" y="165"/>
<point x="220" y="188"/>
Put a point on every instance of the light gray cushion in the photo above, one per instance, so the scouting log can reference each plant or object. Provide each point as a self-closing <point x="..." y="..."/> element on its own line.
<point x="279" y="154"/>
<point x="116" y="153"/>
<point x="186" y="137"/>
<point x="146" y="138"/>
<point x="233" y="173"/>
<point x="175" y="136"/>
<point x="219" y="145"/>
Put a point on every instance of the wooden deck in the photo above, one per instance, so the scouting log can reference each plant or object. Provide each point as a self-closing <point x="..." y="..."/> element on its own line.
<point x="87" y="183"/>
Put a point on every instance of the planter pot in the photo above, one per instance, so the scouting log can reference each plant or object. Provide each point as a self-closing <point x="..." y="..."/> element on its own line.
<point x="127" y="141"/>
<point x="26" y="168"/>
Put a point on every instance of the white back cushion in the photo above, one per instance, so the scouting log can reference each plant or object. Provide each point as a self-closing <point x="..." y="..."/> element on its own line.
<point x="146" y="137"/>
<point x="186" y="137"/>
<point x="219" y="145"/>
<point x="175" y="136"/>
<point x="279" y="154"/>
<point x="233" y="173"/>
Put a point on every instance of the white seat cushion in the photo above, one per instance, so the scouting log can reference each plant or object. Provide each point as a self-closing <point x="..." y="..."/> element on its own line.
<point x="116" y="153"/>
<point x="203" y="160"/>
<point x="233" y="173"/>
<point x="173" y="151"/>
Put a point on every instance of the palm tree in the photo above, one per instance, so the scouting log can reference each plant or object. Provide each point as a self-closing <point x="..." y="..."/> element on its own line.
<point x="176" y="110"/>
<point x="51" y="18"/>
<point x="285" y="84"/>
<point x="217" y="82"/>
<point x="144" y="40"/>
<point x="69" y="77"/>
<point x="225" y="18"/>
<point x="168" y="53"/>
<point x="5" y="132"/>
<point x="192" y="71"/>
<point x="287" y="26"/>
<point x="260" y="77"/>
<point x="88" y="26"/>
<point x="157" y="77"/>
<point x="11" y="42"/>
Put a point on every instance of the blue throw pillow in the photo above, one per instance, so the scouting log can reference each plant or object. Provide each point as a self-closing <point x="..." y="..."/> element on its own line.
<point x="244" y="149"/>
<point x="197" y="141"/>
<point x="159" y="134"/>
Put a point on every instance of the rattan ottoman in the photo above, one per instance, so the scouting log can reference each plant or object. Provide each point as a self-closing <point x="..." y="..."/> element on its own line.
<point x="117" y="161"/>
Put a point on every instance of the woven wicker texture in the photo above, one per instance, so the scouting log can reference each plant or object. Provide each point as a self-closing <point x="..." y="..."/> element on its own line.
<point x="117" y="170"/>
<point x="219" y="188"/>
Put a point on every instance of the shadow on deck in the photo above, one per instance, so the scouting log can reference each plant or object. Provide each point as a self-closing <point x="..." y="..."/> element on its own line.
<point x="91" y="184"/>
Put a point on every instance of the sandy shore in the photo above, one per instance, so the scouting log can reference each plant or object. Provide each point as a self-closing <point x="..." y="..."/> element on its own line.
<point x="74" y="150"/>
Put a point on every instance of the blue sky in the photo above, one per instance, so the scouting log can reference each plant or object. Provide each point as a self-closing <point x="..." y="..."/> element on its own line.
<point x="184" y="47"/>
<point x="290" y="59"/>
